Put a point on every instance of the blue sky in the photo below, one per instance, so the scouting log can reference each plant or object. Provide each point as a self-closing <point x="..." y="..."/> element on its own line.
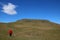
<point x="31" y="9"/>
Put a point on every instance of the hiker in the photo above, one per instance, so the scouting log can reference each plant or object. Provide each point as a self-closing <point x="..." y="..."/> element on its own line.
<point x="10" y="32"/>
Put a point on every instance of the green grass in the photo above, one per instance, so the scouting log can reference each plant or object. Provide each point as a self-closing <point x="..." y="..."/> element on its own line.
<point x="34" y="30"/>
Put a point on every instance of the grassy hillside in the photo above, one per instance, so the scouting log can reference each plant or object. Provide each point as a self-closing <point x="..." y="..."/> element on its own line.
<point x="30" y="29"/>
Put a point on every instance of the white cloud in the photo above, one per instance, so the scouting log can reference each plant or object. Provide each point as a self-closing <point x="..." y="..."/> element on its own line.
<point x="9" y="9"/>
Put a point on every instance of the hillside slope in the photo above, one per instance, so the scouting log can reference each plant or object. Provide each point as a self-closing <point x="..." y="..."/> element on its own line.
<point x="28" y="29"/>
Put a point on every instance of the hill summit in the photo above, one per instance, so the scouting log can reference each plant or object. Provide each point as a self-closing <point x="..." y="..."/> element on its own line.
<point x="30" y="29"/>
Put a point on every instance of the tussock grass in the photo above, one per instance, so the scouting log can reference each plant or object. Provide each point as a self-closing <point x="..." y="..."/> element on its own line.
<point x="30" y="30"/>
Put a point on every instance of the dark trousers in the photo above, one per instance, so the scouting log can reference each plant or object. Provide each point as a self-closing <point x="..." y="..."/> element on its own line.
<point x="10" y="34"/>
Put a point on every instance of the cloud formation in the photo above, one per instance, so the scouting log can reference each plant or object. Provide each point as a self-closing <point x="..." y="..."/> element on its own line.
<point x="9" y="9"/>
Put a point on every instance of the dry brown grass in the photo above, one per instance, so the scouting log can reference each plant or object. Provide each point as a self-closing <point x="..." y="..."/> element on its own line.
<point x="31" y="30"/>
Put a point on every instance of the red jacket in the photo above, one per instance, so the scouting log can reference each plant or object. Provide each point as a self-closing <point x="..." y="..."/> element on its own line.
<point x="10" y="31"/>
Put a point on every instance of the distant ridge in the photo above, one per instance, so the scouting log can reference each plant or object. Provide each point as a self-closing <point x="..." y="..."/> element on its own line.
<point x="31" y="29"/>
